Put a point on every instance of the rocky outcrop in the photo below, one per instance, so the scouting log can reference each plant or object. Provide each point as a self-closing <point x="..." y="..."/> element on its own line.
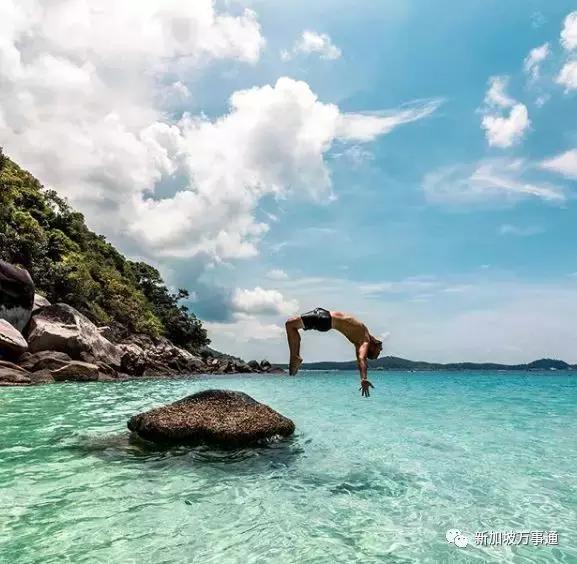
<point x="42" y="377"/>
<point x="133" y="360"/>
<point x="58" y="343"/>
<point x="142" y="355"/>
<point x="39" y="301"/>
<point x="61" y="328"/>
<point x="76" y="371"/>
<point x="12" y="342"/>
<point x="219" y="417"/>
<point x="231" y="365"/>
<point x="223" y="366"/>
<point x="13" y="377"/>
<point x="264" y="366"/>
<point x="12" y="366"/>
<point x="44" y="360"/>
<point x="16" y="295"/>
<point x="208" y="353"/>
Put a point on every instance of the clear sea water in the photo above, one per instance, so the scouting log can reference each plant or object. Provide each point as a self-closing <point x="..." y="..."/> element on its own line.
<point x="363" y="480"/>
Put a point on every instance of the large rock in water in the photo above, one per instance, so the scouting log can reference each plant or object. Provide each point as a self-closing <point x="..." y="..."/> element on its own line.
<point x="61" y="328"/>
<point x="16" y="295"/>
<point x="215" y="416"/>
<point x="12" y="343"/>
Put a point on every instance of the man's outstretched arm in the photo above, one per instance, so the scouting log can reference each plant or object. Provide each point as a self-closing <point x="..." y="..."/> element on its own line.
<point x="362" y="360"/>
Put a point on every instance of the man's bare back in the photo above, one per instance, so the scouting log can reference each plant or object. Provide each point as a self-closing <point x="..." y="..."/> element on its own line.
<point x="355" y="331"/>
<point x="319" y="319"/>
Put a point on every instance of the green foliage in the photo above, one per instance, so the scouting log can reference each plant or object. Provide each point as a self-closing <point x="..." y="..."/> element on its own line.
<point x="181" y="325"/>
<point x="70" y="263"/>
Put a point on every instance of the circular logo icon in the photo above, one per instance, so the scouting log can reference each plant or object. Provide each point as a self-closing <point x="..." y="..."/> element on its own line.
<point x="451" y="534"/>
<point x="461" y="541"/>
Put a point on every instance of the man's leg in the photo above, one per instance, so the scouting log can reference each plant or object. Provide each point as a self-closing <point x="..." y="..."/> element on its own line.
<point x="294" y="342"/>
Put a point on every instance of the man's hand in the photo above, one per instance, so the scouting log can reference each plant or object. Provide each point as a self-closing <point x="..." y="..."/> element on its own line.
<point x="365" y="385"/>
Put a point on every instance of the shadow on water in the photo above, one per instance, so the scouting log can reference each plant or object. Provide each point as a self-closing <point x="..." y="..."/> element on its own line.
<point x="128" y="448"/>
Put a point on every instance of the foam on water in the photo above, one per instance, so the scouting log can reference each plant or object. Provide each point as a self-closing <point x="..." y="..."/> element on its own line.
<point x="363" y="480"/>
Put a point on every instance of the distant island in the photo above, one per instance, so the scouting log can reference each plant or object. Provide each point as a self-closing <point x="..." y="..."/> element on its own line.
<point x="395" y="363"/>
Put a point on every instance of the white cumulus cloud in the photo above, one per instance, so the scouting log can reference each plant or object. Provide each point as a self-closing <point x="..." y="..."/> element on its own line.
<point x="82" y="94"/>
<point x="93" y="100"/>
<point x="567" y="77"/>
<point x="569" y="32"/>
<point x="246" y="329"/>
<point x="532" y="63"/>
<point x="503" y="129"/>
<point x="496" y="94"/>
<point x="312" y="42"/>
<point x="261" y="301"/>
<point x="85" y="119"/>
<point x="272" y="141"/>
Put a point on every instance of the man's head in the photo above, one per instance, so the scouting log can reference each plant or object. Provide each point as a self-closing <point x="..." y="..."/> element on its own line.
<point x="375" y="348"/>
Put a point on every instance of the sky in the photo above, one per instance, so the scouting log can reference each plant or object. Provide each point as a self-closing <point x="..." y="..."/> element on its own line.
<point x="410" y="162"/>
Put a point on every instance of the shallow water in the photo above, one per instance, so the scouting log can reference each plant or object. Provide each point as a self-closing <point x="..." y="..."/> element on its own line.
<point x="363" y="480"/>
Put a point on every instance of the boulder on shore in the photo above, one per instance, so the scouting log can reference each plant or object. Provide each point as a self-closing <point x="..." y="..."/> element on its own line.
<point x="61" y="328"/>
<point x="41" y="377"/>
<point x="16" y="295"/>
<point x="76" y="371"/>
<point x="7" y="364"/>
<point x="221" y="417"/>
<point x="44" y="360"/>
<point x="13" y="377"/>
<point x="12" y="343"/>
<point x="143" y="355"/>
<point x="39" y="301"/>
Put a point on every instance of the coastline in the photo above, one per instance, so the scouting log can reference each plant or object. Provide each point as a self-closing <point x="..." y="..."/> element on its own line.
<point x="388" y="363"/>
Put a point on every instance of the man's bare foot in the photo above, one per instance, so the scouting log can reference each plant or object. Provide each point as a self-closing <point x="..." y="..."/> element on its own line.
<point x="294" y="365"/>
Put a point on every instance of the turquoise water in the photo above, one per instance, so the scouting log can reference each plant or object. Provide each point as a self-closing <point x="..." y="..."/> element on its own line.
<point x="363" y="480"/>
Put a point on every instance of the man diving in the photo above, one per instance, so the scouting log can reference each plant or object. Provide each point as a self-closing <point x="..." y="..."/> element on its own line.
<point x="319" y="319"/>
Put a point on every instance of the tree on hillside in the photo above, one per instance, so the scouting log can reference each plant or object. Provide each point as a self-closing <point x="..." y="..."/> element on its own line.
<point x="182" y="327"/>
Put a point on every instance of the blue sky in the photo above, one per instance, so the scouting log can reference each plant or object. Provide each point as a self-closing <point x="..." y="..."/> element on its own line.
<point x="409" y="162"/>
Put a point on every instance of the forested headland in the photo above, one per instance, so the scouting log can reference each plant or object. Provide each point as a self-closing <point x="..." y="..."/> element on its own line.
<point x="69" y="263"/>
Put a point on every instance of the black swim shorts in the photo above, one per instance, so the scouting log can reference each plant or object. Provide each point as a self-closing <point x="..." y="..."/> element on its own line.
<point x="318" y="319"/>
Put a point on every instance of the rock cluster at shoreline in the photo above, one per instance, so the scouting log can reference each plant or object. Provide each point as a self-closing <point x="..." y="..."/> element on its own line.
<point x="56" y="343"/>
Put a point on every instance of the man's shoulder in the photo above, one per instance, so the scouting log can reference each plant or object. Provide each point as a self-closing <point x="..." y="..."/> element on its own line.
<point x="361" y="347"/>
